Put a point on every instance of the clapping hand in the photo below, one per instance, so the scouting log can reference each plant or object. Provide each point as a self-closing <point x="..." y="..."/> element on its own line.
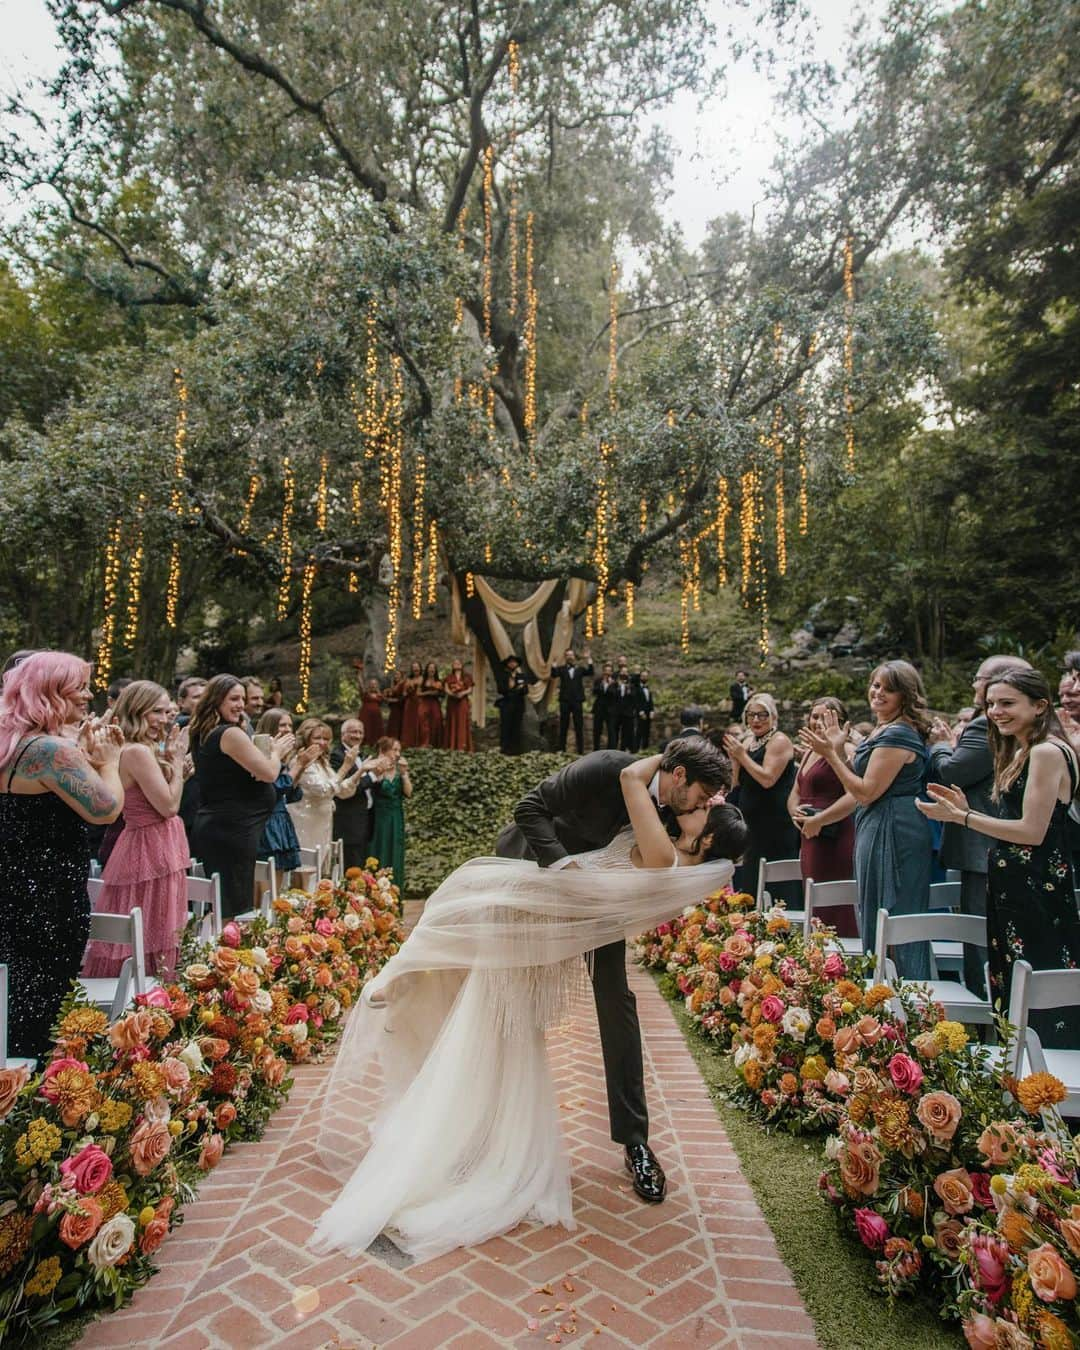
<point x="949" y="804"/>
<point x="735" y="749"/>
<point x="403" y="764"/>
<point x="351" y="752"/>
<point x="940" y="732"/>
<point x="176" y="743"/>
<point x="283" y="744"/>
<point x="830" y="740"/>
<point x="101" y="743"/>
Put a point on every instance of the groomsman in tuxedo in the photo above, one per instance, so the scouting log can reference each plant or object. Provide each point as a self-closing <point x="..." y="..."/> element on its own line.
<point x="572" y="675"/>
<point x="740" y="695"/>
<point x="645" y="710"/>
<point x="623" y="718"/>
<point x="352" y="815"/>
<point x="511" y="705"/>
<point x="602" y="692"/>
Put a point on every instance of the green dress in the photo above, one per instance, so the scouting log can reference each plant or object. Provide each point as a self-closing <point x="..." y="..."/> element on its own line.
<point x="388" y="836"/>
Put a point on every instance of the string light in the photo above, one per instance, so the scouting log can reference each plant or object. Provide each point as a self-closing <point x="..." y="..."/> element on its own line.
<point x="285" y="537"/>
<point x="135" y="570"/>
<point x="305" y="636"/>
<point x="629" y="604"/>
<point x="370" y="420"/>
<point x="254" y="483"/>
<point x="488" y="283"/>
<point x="470" y="585"/>
<point x="103" y="664"/>
<point x="395" y="448"/>
<point x="529" y="333"/>
<point x="419" y="539"/>
<point x="600" y="536"/>
<point x="357" y="504"/>
<point x="849" y="351"/>
<point x="685" y="596"/>
<point x="176" y="501"/>
<point x="778" y="456"/>
<point x="589" y="630"/>
<point x="695" y="575"/>
<point x="432" y="565"/>
<point x="514" y="63"/>
<point x="459" y="301"/>
<point x="746" y="535"/>
<point x="322" y="495"/>
<point x="804" y="467"/>
<point x="487" y="551"/>
<point x="723" y="510"/>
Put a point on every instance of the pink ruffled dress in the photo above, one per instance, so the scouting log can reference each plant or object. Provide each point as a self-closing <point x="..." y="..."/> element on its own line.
<point x="147" y="868"/>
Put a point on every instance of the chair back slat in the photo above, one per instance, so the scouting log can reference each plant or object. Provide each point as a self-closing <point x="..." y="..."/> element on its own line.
<point x="780" y="869"/>
<point x="945" y="895"/>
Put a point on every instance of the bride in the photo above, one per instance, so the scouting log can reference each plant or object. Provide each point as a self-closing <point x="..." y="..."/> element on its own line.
<point x="441" y="1109"/>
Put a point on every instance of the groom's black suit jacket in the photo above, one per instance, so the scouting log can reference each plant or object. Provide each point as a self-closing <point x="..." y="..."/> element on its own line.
<point x="579" y="808"/>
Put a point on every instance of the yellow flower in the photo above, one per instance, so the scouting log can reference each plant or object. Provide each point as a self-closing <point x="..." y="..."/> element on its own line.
<point x="814" y="1067"/>
<point x="38" y="1144"/>
<point x="1031" y="1178"/>
<point x="146" y="1215"/>
<point x="1022" y="1295"/>
<point x="763" y="962"/>
<point x="113" y="1115"/>
<point x="176" y="1127"/>
<point x="83" y="1023"/>
<point x="149" y="1080"/>
<point x="847" y="1006"/>
<point x="875" y="997"/>
<point x="113" y="1200"/>
<point x="1052" y="1332"/>
<point x="45" y="1277"/>
<point x="950" y="1035"/>
<point x="1038" y="1091"/>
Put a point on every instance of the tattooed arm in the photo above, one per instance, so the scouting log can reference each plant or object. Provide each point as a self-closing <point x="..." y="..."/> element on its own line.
<point x="89" y="785"/>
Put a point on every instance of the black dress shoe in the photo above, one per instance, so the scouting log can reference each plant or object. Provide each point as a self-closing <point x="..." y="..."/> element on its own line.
<point x="646" y="1173"/>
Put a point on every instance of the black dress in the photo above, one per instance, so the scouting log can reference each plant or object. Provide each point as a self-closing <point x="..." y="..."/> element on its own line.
<point x="233" y="809"/>
<point x="44" y="910"/>
<point x="1031" y="911"/>
<point x="772" y="834"/>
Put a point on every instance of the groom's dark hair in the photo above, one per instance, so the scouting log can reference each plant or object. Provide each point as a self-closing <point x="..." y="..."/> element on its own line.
<point x="703" y="762"/>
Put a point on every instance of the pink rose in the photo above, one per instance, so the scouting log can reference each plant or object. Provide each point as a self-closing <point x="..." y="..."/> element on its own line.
<point x="772" y="1008"/>
<point x="835" y="967"/>
<point x="846" y="1041"/>
<point x="149" y="1145"/>
<point x="1049" y="1164"/>
<point x="939" y="1112"/>
<point x="905" y="1073"/>
<point x="980" y="1332"/>
<point x="989" y="1264"/>
<point x="88" y="1170"/>
<point x="837" y="1083"/>
<point x="231" y="935"/>
<point x="726" y="962"/>
<point x="872" y="1229"/>
<point x="51" y="1070"/>
<point x="156" y="998"/>
<point x="325" y="927"/>
<point x="662" y="931"/>
<point x="212" y="1149"/>
<point x="177" y="1074"/>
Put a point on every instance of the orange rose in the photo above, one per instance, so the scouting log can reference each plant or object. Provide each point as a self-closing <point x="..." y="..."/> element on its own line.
<point x="939" y="1113"/>
<point x="224" y="1115"/>
<point x="225" y="960"/>
<point x="846" y="1041"/>
<point x="294" y="948"/>
<point x="246" y="983"/>
<point x="149" y="1146"/>
<point x="998" y="1143"/>
<point x="860" y="1163"/>
<point x="913" y="1202"/>
<point x="317" y="944"/>
<point x="927" y="1046"/>
<point x="200" y="976"/>
<point x="738" y="944"/>
<point x="274" y="1073"/>
<point x="954" y="1190"/>
<point x="12" y="1082"/>
<point x="1051" y="1278"/>
<point x="153" y="1235"/>
<point x="213" y="1047"/>
<point x="212" y="1149"/>
<point x="789" y="1084"/>
<point x="825" y="1028"/>
<point x="77" y="1229"/>
<point x="869" y="1029"/>
<point x="324" y="978"/>
<point x="726" y="996"/>
<point x="1070" y="1230"/>
<point x="132" y="1030"/>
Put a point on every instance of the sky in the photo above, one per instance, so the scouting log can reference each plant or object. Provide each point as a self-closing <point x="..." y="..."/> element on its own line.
<point x="723" y="149"/>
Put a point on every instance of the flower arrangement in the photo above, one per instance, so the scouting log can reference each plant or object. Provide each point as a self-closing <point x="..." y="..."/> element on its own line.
<point x="102" y="1147"/>
<point x="754" y="985"/>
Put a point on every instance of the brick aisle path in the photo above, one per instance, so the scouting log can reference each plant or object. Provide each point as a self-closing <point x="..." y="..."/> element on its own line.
<point x="699" y="1270"/>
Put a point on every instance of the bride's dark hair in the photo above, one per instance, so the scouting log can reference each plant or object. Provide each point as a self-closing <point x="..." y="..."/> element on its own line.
<point x="730" y="834"/>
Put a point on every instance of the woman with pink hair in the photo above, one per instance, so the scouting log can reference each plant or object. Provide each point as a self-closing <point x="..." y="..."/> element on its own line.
<point x="52" y="783"/>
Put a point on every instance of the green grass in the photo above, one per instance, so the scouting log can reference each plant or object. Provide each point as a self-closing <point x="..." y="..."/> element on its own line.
<point x="834" y="1274"/>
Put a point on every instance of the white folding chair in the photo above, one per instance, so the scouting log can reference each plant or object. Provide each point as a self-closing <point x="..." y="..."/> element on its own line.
<point x="894" y="930"/>
<point x="94" y="887"/>
<point x="337" y="861"/>
<point x="204" y="904"/>
<point x="6" y="1063"/>
<point x="195" y="868"/>
<point x="266" y="886"/>
<point x="945" y="895"/>
<point x="95" y="868"/>
<point x="113" y="994"/>
<point x="952" y="874"/>
<point x="1035" y="990"/>
<point x="819" y="896"/>
<point x="311" y="867"/>
<point x="783" y="869"/>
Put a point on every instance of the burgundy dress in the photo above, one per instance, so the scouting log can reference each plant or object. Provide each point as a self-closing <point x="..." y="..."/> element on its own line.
<point x="394" y="696"/>
<point x="410" y="717"/>
<point x="457" y="734"/>
<point x="430" y="720"/>
<point x="828" y="859"/>
<point x="371" y="717"/>
<point x="147" y="868"/>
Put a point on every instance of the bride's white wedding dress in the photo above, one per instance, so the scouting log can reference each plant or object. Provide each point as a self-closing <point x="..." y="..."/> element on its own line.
<point x="440" y="1108"/>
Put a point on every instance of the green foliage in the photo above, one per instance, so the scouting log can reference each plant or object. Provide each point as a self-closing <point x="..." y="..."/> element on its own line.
<point x="459" y="804"/>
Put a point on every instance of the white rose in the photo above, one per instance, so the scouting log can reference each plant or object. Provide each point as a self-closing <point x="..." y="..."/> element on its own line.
<point x="834" y="1146"/>
<point x="192" y="1056"/>
<point x="111" y="1242"/>
<point x="260" y="956"/>
<point x="351" y="922"/>
<point x="796" y="1023"/>
<point x="157" y="1111"/>
<point x="299" y="1032"/>
<point x="742" y="1055"/>
<point x="262" y="1002"/>
<point x="765" y="949"/>
<point x="331" y="1007"/>
<point x="384" y="883"/>
<point x="777" y="912"/>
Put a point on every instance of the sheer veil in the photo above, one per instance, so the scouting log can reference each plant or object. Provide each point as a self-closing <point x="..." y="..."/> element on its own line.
<point x="440" y="1109"/>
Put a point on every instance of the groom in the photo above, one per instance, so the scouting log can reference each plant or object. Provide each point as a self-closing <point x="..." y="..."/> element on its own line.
<point x="581" y="808"/>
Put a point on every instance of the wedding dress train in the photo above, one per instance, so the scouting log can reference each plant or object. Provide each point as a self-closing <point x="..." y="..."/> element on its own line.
<point x="441" y="1109"/>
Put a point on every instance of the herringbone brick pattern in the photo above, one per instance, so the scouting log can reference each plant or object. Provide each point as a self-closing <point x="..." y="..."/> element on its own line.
<point x="700" y="1270"/>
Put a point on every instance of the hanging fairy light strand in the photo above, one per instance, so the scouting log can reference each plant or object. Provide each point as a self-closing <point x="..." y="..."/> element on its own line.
<point x="285" y="540"/>
<point x="304" y="673"/>
<point x="254" y="483"/>
<point x="778" y="459"/>
<point x="419" y="539"/>
<point x="357" y="515"/>
<point x="849" y="351"/>
<point x="488" y="183"/>
<point x="395" y="449"/>
<point x="529" y="332"/>
<point x="176" y="501"/>
<point x="513" y="56"/>
<point x="433" y="565"/>
<point x="804" y="466"/>
<point x="103" y="664"/>
<point x="135" y="571"/>
<point x="723" y="510"/>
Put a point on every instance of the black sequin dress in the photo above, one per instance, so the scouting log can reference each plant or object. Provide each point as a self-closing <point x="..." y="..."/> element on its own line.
<point x="1031" y="912"/>
<point x="44" y="909"/>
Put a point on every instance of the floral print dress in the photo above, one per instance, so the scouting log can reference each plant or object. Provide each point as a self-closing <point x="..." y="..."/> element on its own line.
<point x="1031" y="912"/>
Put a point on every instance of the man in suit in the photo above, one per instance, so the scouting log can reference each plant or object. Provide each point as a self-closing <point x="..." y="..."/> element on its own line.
<point x="352" y="815"/>
<point x="645" y="710"/>
<point x="600" y="708"/>
<point x="511" y="705"/>
<point x="740" y="693"/>
<point x="572" y="675"/>
<point x="624" y="711"/>
<point x="690" y="720"/>
<point x="581" y="808"/>
<point x="970" y="765"/>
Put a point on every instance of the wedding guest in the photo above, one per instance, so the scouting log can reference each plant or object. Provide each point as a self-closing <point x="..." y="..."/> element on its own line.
<point x="1030" y="900"/>
<point x="236" y="790"/>
<point x="764" y="773"/>
<point x="313" y="814"/>
<point x="457" y="734"/>
<point x="371" y="717"/>
<point x="279" y="833"/>
<point x="147" y="867"/>
<point x="623" y="715"/>
<point x="1069" y="717"/>
<point x="602" y="692"/>
<point x="572" y="675"/>
<point x="254" y="699"/>
<point x="969" y="764"/>
<point x="188" y="694"/>
<point x="394" y="697"/>
<point x="827" y="849"/>
<point x="887" y="773"/>
<point x="410" y="705"/>
<point x="352" y="813"/>
<point x="187" y="698"/>
<point x="51" y="786"/>
<point x="114" y="691"/>
<point x="274" y="696"/>
<point x="511" y="705"/>
<point x="963" y="719"/>
<point x="388" y="834"/>
<point x="645" y="709"/>
<point x="430" y="719"/>
<point x="16" y="657"/>
<point x="739" y="693"/>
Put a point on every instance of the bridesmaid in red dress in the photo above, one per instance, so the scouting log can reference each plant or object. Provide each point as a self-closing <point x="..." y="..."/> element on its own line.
<point x="410" y="706"/>
<point x="828" y="856"/>
<point x="431" y="714"/>
<point x="371" y="714"/>
<point x="395" y="693"/>
<point x="457" y="734"/>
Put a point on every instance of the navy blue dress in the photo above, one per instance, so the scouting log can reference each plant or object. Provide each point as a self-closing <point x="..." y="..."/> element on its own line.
<point x="893" y="847"/>
<point x="279" y="832"/>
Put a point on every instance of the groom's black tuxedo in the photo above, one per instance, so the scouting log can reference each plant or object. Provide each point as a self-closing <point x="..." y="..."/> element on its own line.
<point x="580" y="808"/>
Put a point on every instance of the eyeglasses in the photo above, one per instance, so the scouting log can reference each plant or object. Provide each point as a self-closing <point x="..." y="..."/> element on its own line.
<point x="754" y="716"/>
